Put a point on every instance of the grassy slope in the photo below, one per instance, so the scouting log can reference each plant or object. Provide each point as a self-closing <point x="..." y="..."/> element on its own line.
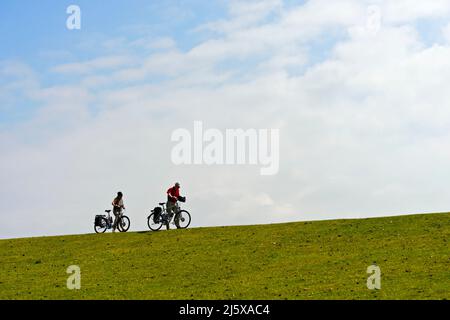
<point x="307" y="260"/>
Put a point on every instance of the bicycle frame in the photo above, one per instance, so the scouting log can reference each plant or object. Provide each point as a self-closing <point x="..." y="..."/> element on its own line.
<point x="164" y="214"/>
<point x="110" y="220"/>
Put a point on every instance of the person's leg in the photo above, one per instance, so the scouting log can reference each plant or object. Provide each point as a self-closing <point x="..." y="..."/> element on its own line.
<point x="176" y="219"/>
<point x="175" y="210"/>
<point x="116" y="213"/>
<point x="169" y="208"/>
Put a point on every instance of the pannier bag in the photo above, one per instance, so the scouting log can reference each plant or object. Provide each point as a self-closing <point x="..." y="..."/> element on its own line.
<point x="157" y="212"/>
<point x="98" y="220"/>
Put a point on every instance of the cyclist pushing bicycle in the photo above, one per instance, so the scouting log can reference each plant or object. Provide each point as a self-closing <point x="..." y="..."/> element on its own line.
<point x="121" y="221"/>
<point x="117" y="209"/>
<point x="173" y="195"/>
<point x="163" y="214"/>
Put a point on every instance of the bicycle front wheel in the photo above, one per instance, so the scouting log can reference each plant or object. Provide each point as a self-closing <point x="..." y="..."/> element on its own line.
<point x="182" y="219"/>
<point x="154" y="224"/>
<point x="124" y="224"/>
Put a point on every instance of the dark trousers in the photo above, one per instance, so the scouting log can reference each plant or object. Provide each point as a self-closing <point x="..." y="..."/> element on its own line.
<point x="117" y="214"/>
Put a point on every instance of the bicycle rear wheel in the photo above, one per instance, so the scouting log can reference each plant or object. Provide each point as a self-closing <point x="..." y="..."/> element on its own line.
<point x="182" y="219"/>
<point x="124" y="224"/>
<point x="154" y="225"/>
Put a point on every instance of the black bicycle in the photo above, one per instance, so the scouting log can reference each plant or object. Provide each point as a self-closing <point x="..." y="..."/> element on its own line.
<point x="160" y="217"/>
<point x="103" y="223"/>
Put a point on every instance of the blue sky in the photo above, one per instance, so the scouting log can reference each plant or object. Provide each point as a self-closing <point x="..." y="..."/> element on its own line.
<point x="33" y="33"/>
<point x="27" y="29"/>
<point x="36" y="34"/>
<point x="362" y="111"/>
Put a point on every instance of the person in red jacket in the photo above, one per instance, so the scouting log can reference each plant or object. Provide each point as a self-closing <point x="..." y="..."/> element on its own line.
<point x="172" y="197"/>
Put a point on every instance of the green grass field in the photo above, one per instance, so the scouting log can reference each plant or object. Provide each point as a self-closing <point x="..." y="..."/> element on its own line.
<point x="305" y="260"/>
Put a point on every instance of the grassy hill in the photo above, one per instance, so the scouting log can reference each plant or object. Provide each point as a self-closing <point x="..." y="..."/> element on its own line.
<point x="305" y="260"/>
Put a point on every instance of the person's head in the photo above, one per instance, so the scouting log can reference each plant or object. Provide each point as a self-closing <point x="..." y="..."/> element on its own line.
<point x="177" y="185"/>
<point x="119" y="195"/>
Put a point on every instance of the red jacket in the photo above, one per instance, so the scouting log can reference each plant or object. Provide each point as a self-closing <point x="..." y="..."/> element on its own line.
<point x="173" y="194"/>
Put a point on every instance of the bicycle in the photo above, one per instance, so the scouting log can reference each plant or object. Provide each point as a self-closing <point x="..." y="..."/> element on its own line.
<point x="103" y="223"/>
<point x="160" y="217"/>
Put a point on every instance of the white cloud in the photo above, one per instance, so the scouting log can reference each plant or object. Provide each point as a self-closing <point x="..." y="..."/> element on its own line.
<point x="17" y="76"/>
<point x="108" y="63"/>
<point x="402" y="11"/>
<point x="244" y="14"/>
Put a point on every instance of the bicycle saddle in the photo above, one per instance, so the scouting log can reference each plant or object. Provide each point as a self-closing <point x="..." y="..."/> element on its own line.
<point x="162" y="203"/>
<point x="107" y="211"/>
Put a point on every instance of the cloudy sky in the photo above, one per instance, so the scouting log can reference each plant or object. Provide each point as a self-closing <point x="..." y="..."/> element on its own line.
<point x="358" y="90"/>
